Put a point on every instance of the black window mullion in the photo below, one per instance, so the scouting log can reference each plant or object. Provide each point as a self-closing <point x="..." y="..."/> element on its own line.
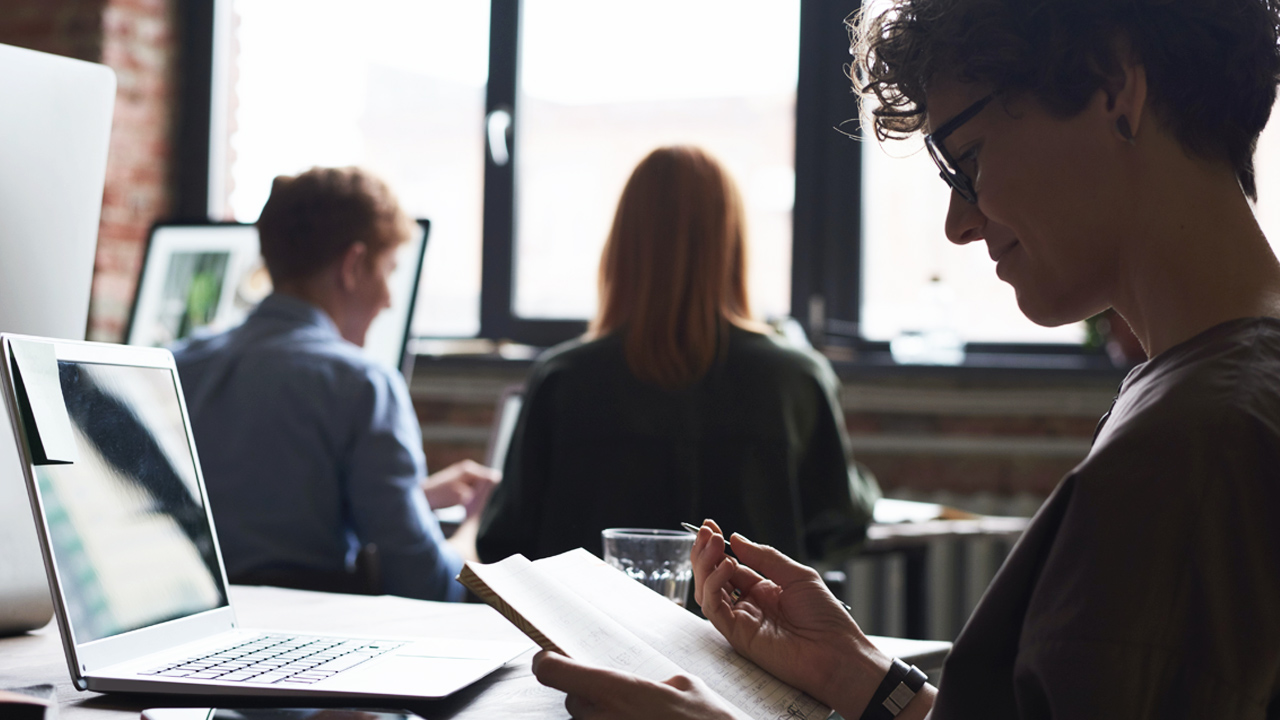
<point x="498" y="254"/>
<point x="194" y="112"/>
<point x="498" y="276"/>
<point x="827" y="222"/>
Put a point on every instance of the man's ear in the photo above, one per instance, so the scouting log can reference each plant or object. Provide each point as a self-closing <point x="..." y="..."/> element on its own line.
<point x="1126" y="91"/>
<point x="352" y="265"/>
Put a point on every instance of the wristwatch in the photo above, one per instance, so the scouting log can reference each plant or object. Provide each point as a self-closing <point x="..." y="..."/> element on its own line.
<point x="895" y="691"/>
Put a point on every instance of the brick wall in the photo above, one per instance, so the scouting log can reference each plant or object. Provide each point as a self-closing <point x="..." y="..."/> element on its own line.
<point x="64" y="27"/>
<point x="921" y="440"/>
<point x="136" y="39"/>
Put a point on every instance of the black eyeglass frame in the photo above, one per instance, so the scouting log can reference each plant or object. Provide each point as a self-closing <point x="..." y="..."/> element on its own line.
<point x="948" y="169"/>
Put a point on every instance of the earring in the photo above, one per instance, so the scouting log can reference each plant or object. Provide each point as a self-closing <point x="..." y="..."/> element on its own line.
<point x="1126" y="132"/>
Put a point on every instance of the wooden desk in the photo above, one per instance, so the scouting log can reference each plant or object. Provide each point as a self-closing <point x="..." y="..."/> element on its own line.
<point x="511" y="692"/>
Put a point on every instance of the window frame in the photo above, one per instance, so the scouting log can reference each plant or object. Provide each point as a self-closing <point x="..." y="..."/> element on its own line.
<point x="826" y="271"/>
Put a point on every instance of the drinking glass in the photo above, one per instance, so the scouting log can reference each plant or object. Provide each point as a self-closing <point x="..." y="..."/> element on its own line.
<point x="659" y="559"/>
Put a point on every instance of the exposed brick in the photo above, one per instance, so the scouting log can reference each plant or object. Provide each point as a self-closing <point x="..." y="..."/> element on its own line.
<point x="138" y="43"/>
<point x="442" y="455"/>
<point x="452" y="413"/>
<point x="1001" y="475"/>
<point x="64" y="27"/>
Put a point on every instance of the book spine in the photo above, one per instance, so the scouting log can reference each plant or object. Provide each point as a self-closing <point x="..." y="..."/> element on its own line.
<point x="490" y="598"/>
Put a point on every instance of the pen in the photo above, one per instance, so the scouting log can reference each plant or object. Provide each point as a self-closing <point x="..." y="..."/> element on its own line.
<point x="729" y="551"/>
<point x="694" y="529"/>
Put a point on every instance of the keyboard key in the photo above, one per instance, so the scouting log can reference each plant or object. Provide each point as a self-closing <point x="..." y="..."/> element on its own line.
<point x="344" y="662"/>
<point x="266" y="678"/>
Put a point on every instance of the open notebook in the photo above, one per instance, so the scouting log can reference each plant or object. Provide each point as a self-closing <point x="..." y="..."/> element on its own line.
<point x="576" y="604"/>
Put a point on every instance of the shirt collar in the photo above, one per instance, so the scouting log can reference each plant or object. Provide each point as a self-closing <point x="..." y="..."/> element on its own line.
<point x="287" y="308"/>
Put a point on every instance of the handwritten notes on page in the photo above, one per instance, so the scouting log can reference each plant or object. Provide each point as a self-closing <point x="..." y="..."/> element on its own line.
<point x="578" y="604"/>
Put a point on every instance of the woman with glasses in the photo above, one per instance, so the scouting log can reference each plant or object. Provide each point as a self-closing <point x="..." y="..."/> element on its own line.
<point x="1102" y="151"/>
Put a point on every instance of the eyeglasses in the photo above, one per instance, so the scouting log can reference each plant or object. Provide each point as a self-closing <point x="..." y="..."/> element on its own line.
<point x="951" y="171"/>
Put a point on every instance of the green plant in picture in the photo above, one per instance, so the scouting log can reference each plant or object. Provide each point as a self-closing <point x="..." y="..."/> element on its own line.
<point x="202" y="298"/>
<point x="203" y="293"/>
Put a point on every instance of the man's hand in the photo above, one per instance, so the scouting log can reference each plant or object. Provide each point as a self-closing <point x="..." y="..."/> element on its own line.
<point x="781" y="615"/>
<point x="465" y="483"/>
<point x="595" y="692"/>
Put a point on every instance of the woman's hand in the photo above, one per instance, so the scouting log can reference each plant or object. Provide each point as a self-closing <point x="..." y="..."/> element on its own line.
<point x="781" y="615"/>
<point x="595" y="692"/>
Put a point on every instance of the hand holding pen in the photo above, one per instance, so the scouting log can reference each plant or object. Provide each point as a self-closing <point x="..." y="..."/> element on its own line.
<point x="736" y="593"/>
<point x="780" y="614"/>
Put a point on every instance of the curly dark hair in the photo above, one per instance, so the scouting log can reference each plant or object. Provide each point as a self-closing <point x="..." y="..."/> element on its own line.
<point x="1211" y="65"/>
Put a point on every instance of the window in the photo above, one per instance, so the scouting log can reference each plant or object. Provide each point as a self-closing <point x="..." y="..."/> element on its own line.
<point x="513" y="124"/>
<point x="1267" y="170"/>
<point x="395" y="85"/>
<point x="913" y="277"/>
<point x="602" y="84"/>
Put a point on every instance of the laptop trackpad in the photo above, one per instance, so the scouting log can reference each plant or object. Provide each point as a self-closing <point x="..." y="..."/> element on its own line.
<point x="430" y="668"/>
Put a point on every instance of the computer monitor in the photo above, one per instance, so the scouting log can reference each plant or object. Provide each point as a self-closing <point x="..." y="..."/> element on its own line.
<point x="210" y="276"/>
<point x="55" y="124"/>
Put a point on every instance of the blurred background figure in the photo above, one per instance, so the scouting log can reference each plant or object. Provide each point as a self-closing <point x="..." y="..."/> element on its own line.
<point x="311" y="451"/>
<point x="677" y="405"/>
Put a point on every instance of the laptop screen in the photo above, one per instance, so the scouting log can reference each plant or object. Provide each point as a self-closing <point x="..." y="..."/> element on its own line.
<point x="127" y="522"/>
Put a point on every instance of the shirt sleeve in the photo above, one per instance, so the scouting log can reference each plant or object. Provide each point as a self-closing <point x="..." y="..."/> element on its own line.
<point x="384" y="469"/>
<point x="1158" y="597"/>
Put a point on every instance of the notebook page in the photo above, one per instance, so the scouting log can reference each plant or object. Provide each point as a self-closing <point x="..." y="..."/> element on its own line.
<point x="689" y="641"/>
<point x="580" y="630"/>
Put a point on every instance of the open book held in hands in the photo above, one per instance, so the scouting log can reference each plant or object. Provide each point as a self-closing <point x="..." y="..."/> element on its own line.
<point x="577" y="605"/>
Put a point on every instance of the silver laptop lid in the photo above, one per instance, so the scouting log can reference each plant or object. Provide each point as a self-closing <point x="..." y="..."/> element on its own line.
<point x="125" y="526"/>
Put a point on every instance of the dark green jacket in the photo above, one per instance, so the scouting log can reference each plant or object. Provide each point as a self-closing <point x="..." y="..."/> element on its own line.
<point x="759" y="445"/>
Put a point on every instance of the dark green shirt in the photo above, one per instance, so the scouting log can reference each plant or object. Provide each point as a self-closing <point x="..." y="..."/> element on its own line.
<point x="759" y="444"/>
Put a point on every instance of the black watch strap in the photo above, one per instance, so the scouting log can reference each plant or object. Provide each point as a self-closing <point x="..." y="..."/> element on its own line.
<point x="897" y="689"/>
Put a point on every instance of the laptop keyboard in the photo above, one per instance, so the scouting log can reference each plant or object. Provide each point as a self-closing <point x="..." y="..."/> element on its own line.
<point x="271" y="659"/>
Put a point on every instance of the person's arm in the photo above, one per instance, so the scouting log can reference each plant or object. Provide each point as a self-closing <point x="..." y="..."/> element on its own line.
<point x="782" y="618"/>
<point x="384" y="467"/>
<point x="466" y="483"/>
<point x="595" y="692"/>
<point x="780" y="615"/>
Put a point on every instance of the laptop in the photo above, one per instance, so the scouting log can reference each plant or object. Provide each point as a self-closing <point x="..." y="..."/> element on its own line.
<point x="130" y="548"/>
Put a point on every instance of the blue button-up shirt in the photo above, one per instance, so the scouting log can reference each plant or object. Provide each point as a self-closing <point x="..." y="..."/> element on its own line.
<point x="309" y="450"/>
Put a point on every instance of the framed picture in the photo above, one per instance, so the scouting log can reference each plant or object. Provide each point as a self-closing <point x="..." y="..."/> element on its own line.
<point x="209" y="277"/>
<point x="194" y="277"/>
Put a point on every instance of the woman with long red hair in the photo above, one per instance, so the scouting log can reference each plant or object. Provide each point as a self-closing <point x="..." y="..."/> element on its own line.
<point x="677" y="405"/>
